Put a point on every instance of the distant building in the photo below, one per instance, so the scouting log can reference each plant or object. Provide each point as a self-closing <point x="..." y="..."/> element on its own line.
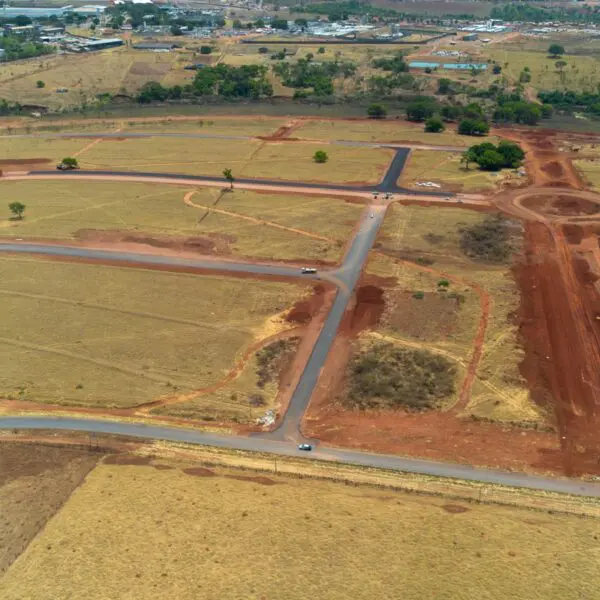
<point x="93" y="45"/>
<point x="9" y="12"/>
<point x="155" y="46"/>
<point x="470" y="37"/>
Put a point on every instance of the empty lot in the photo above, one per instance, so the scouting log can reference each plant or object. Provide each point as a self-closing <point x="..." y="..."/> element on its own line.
<point x="91" y="335"/>
<point x="191" y="536"/>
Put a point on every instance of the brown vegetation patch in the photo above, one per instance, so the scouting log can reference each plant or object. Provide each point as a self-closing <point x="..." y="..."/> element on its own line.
<point x="144" y="69"/>
<point x="562" y="205"/>
<point x="163" y="467"/>
<point x="455" y="509"/>
<point x="261" y="479"/>
<point x="127" y="459"/>
<point x="304" y="310"/>
<point x="199" y="472"/>
<point x="428" y="318"/>
<point x="35" y="481"/>
<point x="22" y="162"/>
<point x="212" y="243"/>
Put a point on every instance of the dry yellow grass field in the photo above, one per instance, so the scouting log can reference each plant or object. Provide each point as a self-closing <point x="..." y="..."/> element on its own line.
<point x="377" y="131"/>
<point x="433" y="234"/>
<point x="86" y="75"/>
<point x="156" y="533"/>
<point x="445" y="169"/>
<point x="242" y="223"/>
<point x="197" y="156"/>
<point x="77" y="334"/>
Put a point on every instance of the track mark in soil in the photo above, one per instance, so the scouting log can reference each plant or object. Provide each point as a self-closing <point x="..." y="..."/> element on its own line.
<point x="199" y="472"/>
<point x="127" y="459"/>
<point x="455" y="509"/>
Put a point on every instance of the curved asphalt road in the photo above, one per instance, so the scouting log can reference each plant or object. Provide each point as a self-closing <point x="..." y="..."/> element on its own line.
<point x="367" y="459"/>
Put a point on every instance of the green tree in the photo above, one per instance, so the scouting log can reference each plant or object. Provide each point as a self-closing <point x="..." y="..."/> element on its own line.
<point x="40" y="84"/>
<point x="451" y="113"/>
<point x="376" y="111"/>
<point x="321" y="50"/>
<point x="490" y="160"/>
<point x="496" y="69"/>
<point x="17" y="209"/>
<point x="434" y="125"/>
<point x="69" y="161"/>
<point x="206" y="49"/>
<point x="556" y="50"/>
<point x="473" y="127"/>
<point x="419" y="111"/>
<point x="444" y="86"/>
<point x="320" y="156"/>
<point x="229" y="177"/>
<point x="512" y="153"/>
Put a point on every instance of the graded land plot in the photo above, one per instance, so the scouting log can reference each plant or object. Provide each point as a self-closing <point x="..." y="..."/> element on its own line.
<point x="199" y="124"/>
<point x="92" y="335"/>
<point x="86" y="75"/>
<point x="35" y="481"/>
<point x="289" y="161"/>
<point x="26" y="154"/>
<point x="581" y="73"/>
<point x="377" y="131"/>
<point x="445" y="317"/>
<point x="205" y="220"/>
<point x="198" y="534"/>
<point x="444" y="168"/>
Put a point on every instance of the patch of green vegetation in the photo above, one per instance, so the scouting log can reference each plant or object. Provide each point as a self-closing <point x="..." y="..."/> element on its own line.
<point x="388" y="376"/>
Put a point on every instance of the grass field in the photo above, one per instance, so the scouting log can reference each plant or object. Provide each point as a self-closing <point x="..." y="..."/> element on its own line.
<point x="580" y="74"/>
<point x="438" y="323"/>
<point x="590" y="168"/>
<point x="76" y="334"/>
<point x="242" y="223"/>
<point x="86" y="75"/>
<point x="377" y="131"/>
<point x="230" y="534"/>
<point x="242" y="126"/>
<point x="246" y="158"/>
<point x="445" y="169"/>
<point x="35" y="481"/>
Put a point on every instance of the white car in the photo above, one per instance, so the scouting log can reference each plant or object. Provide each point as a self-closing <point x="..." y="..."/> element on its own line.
<point x="307" y="270"/>
<point x="305" y="447"/>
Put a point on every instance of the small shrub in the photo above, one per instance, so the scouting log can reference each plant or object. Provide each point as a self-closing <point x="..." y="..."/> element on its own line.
<point x="320" y="156"/>
<point x="418" y="295"/>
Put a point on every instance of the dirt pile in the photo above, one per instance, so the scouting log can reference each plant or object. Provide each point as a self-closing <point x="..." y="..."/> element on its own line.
<point x="304" y="310"/>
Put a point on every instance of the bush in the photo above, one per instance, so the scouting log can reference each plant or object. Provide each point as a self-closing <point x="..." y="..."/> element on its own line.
<point x="376" y="111"/>
<point x="556" y="50"/>
<point x="263" y="50"/>
<point x="206" y="50"/>
<point x="451" y="113"/>
<point x="473" y="127"/>
<point x="420" y="110"/>
<point x="40" y="84"/>
<point x="320" y="156"/>
<point x="488" y="241"/>
<point x="69" y="161"/>
<point x="434" y="125"/>
<point x="386" y="376"/>
<point x="496" y="69"/>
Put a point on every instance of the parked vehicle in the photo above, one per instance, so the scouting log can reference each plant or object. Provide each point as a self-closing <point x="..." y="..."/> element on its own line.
<point x="307" y="270"/>
<point x="305" y="447"/>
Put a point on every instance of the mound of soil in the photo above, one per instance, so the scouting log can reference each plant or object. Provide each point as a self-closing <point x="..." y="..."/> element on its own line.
<point x="261" y="479"/>
<point x="554" y="169"/>
<point x="304" y="310"/>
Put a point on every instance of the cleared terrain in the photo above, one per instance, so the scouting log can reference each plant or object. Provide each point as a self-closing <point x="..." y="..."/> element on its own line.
<point x="190" y="537"/>
<point x="238" y="223"/>
<point x="107" y="337"/>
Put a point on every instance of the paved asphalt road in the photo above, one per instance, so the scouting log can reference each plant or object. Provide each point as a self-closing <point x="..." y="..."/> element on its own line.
<point x="387" y="184"/>
<point x="163" y="261"/>
<point x="257" y="444"/>
<point x="348" y="274"/>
